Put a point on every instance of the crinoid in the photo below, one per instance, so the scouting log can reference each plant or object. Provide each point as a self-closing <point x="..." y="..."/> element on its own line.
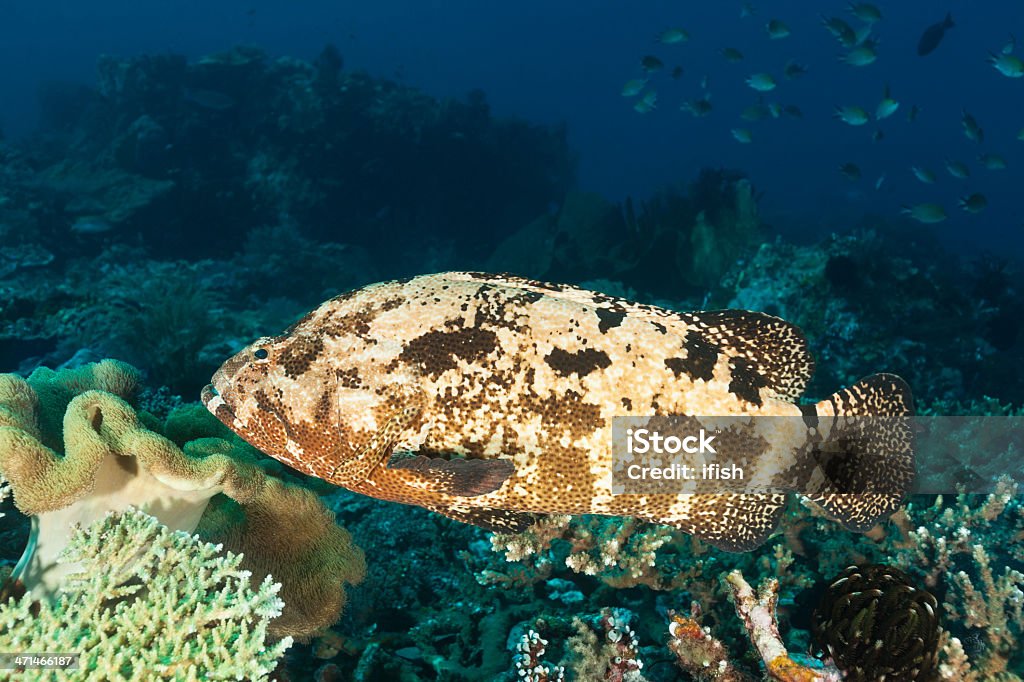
<point x="877" y="625"/>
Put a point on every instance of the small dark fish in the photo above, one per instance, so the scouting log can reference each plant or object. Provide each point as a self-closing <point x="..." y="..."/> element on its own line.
<point x="777" y="29"/>
<point x="866" y="12"/>
<point x="677" y="73"/>
<point x="742" y="135"/>
<point x="925" y="213"/>
<point x="842" y="31"/>
<point x="650" y="64"/>
<point x="850" y="171"/>
<point x="732" y="55"/>
<point x="794" y="69"/>
<point x="672" y="36"/>
<point x="992" y="161"/>
<point x="958" y="169"/>
<point x="973" y="203"/>
<point x="972" y="130"/>
<point x="932" y="35"/>
<point x="698" y="107"/>
<point x="912" y="113"/>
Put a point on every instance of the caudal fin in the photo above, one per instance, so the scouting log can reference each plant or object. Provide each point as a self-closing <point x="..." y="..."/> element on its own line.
<point x="949" y="20"/>
<point x="867" y="456"/>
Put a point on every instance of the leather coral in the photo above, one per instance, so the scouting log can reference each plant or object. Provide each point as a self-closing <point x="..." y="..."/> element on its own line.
<point x="74" y="448"/>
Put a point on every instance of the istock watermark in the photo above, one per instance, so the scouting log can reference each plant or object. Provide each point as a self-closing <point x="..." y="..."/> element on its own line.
<point x="815" y="455"/>
<point x="642" y="441"/>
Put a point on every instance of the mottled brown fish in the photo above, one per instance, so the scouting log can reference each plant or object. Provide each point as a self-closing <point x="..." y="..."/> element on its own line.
<point x="490" y="398"/>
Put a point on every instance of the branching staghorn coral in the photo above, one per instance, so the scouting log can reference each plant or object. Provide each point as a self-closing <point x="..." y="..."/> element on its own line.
<point x="102" y="457"/>
<point x="621" y="552"/>
<point x="148" y="603"/>
<point x="956" y="546"/>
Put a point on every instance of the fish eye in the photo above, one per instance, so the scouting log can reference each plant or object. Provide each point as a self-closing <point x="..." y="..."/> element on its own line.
<point x="260" y="354"/>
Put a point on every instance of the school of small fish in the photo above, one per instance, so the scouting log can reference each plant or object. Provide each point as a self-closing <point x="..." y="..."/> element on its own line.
<point x="860" y="47"/>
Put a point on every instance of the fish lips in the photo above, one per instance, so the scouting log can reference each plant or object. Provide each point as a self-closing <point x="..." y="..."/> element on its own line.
<point x="215" y="403"/>
<point x="215" y="399"/>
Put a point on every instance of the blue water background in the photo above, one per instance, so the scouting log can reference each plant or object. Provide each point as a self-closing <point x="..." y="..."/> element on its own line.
<point x="561" y="60"/>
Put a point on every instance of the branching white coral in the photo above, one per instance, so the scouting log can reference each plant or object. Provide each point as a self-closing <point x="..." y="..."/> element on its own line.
<point x="150" y="603"/>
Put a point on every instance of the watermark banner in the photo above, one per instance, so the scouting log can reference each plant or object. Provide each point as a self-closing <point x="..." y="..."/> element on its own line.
<point x="814" y="455"/>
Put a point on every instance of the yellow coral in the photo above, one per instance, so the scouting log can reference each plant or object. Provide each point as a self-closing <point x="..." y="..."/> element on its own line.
<point x="110" y="461"/>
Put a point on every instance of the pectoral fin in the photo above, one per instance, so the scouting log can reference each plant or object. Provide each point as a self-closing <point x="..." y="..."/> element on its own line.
<point x="355" y="470"/>
<point x="463" y="477"/>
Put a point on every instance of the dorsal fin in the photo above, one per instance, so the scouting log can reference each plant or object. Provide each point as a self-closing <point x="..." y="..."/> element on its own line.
<point x="776" y="349"/>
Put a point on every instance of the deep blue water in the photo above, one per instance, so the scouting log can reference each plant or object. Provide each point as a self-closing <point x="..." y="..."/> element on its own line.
<point x="567" y="61"/>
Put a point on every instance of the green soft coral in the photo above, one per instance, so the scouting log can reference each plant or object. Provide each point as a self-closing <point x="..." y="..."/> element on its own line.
<point x="148" y="603"/>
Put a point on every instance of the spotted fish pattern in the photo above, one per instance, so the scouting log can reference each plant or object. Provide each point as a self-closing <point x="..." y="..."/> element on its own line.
<point x="490" y="398"/>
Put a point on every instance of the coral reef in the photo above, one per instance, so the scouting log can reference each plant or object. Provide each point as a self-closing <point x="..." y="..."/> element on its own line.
<point x="109" y="460"/>
<point x="178" y="210"/>
<point x="166" y="325"/>
<point x="698" y="652"/>
<point x="758" y="612"/>
<point x="705" y="658"/>
<point x="529" y="663"/>
<point x="606" y="648"/>
<point x="679" y="242"/>
<point x="239" y="138"/>
<point x="145" y="602"/>
<point x="601" y="646"/>
<point x="953" y="549"/>
<point x="621" y="552"/>
<point x="911" y="312"/>
<point x="956" y="550"/>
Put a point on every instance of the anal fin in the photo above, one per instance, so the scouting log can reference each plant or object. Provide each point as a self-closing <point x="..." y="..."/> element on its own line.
<point x="493" y="520"/>
<point x="461" y="477"/>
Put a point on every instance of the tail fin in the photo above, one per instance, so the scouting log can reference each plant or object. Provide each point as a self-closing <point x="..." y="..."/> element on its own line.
<point x="867" y="457"/>
<point x="949" y="20"/>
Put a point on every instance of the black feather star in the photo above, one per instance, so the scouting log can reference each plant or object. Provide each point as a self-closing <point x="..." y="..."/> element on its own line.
<point x="875" y="624"/>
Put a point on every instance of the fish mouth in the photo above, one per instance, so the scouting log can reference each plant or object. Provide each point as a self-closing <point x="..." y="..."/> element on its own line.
<point x="209" y="394"/>
<point x="214" y="402"/>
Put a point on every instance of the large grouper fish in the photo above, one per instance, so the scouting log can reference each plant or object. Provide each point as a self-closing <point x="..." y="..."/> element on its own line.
<point x="490" y="398"/>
